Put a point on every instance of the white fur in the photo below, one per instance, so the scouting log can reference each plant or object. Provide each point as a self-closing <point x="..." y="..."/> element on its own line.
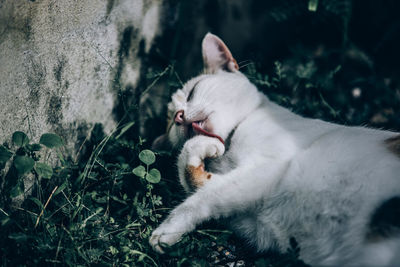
<point x="282" y="176"/>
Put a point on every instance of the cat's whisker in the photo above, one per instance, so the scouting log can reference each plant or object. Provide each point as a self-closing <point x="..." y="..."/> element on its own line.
<point x="245" y="63"/>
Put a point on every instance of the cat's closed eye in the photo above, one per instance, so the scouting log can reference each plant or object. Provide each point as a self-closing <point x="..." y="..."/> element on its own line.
<point x="191" y="93"/>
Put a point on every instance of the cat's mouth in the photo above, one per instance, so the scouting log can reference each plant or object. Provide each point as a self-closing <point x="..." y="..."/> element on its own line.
<point x="199" y="127"/>
<point x="195" y="127"/>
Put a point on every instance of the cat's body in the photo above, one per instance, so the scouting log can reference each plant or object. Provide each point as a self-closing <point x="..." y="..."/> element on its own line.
<point x="278" y="176"/>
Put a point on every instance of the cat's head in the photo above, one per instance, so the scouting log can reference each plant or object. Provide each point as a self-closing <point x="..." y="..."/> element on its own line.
<point x="213" y="103"/>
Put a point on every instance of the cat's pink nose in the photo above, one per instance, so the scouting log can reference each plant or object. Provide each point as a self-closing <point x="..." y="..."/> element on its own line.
<point x="179" y="119"/>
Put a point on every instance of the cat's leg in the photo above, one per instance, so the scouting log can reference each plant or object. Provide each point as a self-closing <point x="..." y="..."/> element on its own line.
<point x="191" y="160"/>
<point x="222" y="196"/>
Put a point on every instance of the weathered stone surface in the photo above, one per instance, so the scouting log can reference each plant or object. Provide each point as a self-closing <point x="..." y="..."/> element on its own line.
<point x="63" y="63"/>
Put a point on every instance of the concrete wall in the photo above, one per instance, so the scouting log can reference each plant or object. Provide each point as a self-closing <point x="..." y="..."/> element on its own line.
<point x="63" y="63"/>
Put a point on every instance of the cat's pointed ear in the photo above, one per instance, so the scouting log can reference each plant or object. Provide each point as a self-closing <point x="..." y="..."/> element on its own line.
<point x="216" y="55"/>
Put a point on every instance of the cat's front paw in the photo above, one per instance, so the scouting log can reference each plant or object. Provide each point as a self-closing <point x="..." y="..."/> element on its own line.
<point x="200" y="147"/>
<point x="191" y="160"/>
<point x="161" y="239"/>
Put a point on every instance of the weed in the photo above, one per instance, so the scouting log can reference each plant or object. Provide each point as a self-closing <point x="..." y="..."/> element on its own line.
<point x="93" y="212"/>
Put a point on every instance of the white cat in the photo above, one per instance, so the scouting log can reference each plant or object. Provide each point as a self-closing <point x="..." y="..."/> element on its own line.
<point x="277" y="175"/>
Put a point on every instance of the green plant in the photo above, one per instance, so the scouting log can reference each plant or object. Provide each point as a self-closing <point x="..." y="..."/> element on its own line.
<point x="77" y="213"/>
<point x="24" y="159"/>
<point x="98" y="210"/>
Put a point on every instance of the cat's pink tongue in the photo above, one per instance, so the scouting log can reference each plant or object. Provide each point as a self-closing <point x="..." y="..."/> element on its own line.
<point x="200" y="130"/>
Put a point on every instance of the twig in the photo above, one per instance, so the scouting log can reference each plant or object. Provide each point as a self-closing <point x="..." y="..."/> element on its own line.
<point x="58" y="249"/>
<point x="62" y="191"/>
<point x="60" y="208"/>
<point x="207" y="234"/>
<point x="4" y="212"/>
<point x="177" y="76"/>
<point x="159" y="76"/>
<point x="45" y="205"/>
<point x="331" y="109"/>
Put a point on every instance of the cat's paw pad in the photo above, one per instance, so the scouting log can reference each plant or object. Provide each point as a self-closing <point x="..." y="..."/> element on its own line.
<point x="159" y="240"/>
